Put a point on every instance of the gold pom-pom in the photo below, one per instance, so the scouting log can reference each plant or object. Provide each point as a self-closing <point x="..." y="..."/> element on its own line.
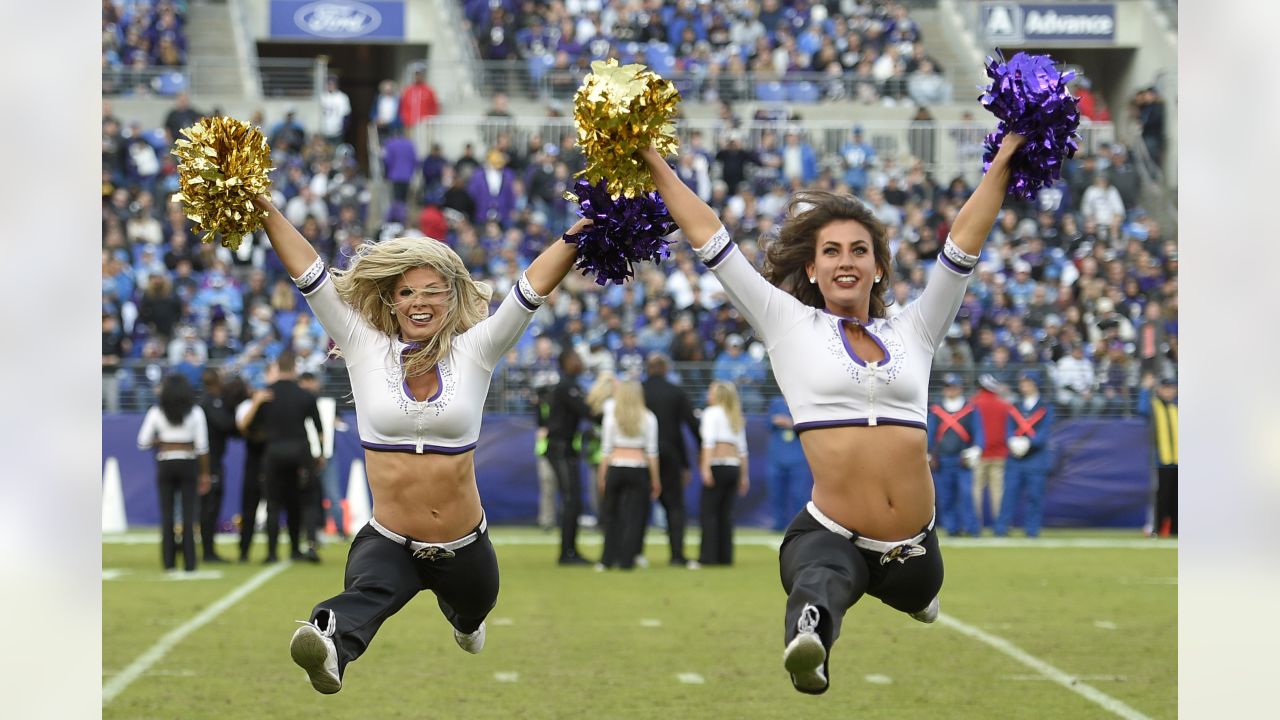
<point x="620" y="110"/>
<point x="222" y="167"/>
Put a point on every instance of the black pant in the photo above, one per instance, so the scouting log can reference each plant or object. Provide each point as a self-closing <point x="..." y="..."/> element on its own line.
<point x="625" y="505"/>
<point x="568" y="468"/>
<point x="671" y="475"/>
<point x="382" y="576"/>
<point x="210" y="509"/>
<point x="1167" y="499"/>
<point x="826" y="570"/>
<point x="250" y="494"/>
<point x="177" y="476"/>
<point x="284" y="467"/>
<point x="717" y="516"/>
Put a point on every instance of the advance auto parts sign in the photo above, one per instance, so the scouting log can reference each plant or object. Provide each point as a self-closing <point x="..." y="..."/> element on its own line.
<point x="336" y="20"/>
<point x="1018" y="23"/>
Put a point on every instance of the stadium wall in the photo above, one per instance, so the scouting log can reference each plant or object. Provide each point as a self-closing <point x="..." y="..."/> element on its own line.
<point x="1102" y="474"/>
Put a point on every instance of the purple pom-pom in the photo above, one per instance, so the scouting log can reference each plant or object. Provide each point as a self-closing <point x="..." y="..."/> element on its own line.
<point x="1030" y="98"/>
<point x="623" y="231"/>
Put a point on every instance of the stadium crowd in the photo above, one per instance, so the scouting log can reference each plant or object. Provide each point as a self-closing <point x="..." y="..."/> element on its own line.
<point x="1081" y="281"/>
<point x="800" y="50"/>
<point x="139" y="37"/>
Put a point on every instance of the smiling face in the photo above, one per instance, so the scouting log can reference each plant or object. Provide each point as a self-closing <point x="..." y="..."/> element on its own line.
<point x="421" y="298"/>
<point x="844" y="267"/>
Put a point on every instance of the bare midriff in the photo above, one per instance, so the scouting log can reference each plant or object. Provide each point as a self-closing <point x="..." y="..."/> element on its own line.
<point x="872" y="480"/>
<point x="722" y="451"/>
<point x="428" y="497"/>
<point x="630" y="455"/>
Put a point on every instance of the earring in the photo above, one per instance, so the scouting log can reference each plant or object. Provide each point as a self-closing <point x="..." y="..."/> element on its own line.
<point x="877" y="278"/>
<point x="812" y="280"/>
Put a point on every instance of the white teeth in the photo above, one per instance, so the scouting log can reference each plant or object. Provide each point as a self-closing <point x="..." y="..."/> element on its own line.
<point x="844" y="278"/>
<point x="421" y="317"/>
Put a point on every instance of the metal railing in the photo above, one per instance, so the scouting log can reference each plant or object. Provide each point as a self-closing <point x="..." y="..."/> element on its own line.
<point x="276" y="77"/>
<point x="513" y="392"/>
<point x="530" y="78"/>
<point x="946" y="149"/>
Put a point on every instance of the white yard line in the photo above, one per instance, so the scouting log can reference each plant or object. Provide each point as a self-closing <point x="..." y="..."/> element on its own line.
<point x="1073" y="683"/>
<point x="689" y="678"/>
<point x="117" y="684"/>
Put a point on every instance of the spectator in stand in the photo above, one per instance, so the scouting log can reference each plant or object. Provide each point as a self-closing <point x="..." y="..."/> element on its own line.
<point x="1029" y="426"/>
<point x="115" y="347"/>
<point x="401" y="162"/>
<point x="493" y="190"/>
<point x="927" y="87"/>
<point x="1161" y="408"/>
<point x="1103" y="205"/>
<point x="1150" y="111"/>
<point x="858" y="156"/>
<point x="182" y="115"/>
<point x="288" y="134"/>
<point x="385" y="110"/>
<point x="1078" y="383"/>
<point x="418" y="101"/>
<point x="335" y="109"/>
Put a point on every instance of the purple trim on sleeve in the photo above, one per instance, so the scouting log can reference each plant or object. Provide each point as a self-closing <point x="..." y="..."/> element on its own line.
<point x="526" y="302"/>
<point x="951" y="264"/>
<point x="315" y="284"/>
<point x="720" y="256"/>
<point x="855" y="422"/>
<point x="426" y="449"/>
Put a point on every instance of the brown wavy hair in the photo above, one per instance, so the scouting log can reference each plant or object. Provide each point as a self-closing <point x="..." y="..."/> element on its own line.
<point x="797" y="245"/>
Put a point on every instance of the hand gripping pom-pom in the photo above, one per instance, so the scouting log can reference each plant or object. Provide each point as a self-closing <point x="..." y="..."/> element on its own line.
<point x="624" y="231"/>
<point x="1030" y="98"/>
<point x="222" y="167"/>
<point x="620" y="110"/>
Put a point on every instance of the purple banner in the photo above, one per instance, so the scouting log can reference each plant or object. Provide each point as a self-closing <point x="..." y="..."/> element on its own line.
<point x="1101" y="475"/>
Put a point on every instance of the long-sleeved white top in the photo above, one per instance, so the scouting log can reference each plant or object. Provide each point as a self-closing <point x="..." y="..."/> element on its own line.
<point x="824" y="381"/>
<point x="612" y="437"/>
<point x="156" y="428"/>
<point x="388" y="417"/>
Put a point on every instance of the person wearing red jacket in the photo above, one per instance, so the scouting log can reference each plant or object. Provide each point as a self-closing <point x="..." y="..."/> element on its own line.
<point x="418" y="101"/>
<point x="989" y="473"/>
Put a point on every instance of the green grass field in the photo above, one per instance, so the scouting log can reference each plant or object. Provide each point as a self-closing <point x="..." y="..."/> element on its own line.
<point x="1098" y="607"/>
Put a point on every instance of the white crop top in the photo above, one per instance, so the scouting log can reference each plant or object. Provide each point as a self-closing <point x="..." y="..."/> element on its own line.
<point x="714" y="428"/>
<point x="387" y="416"/>
<point x="824" y="381"/>
<point x="156" y="428"/>
<point x="611" y="436"/>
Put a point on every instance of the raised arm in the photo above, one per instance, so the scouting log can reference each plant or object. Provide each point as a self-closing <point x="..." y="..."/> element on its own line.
<point x="978" y="215"/>
<point x="548" y="269"/>
<point x="696" y="219"/>
<point x="295" y="252"/>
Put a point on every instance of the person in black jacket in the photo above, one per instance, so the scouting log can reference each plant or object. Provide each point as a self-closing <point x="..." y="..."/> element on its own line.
<point x="568" y="410"/>
<point x="284" y="406"/>
<point x="221" y="419"/>
<point x="674" y="410"/>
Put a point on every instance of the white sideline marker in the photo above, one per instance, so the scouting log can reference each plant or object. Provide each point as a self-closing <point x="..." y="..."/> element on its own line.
<point x="1104" y="624"/>
<point x="650" y="622"/>
<point x="878" y="679"/>
<point x="506" y="677"/>
<point x="503" y="621"/>
<point x="114" y="573"/>
<point x="1071" y="682"/>
<point x="690" y="678"/>
<point x="117" y="684"/>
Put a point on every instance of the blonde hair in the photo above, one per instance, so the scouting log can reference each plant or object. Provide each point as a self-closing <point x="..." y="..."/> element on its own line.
<point x="726" y="396"/>
<point x="629" y="408"/>
<point x="602" y="390"/>
<point x="368" y="285"/>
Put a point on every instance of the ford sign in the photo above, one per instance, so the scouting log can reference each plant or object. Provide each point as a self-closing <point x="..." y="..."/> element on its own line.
<point x="337" y="19"/>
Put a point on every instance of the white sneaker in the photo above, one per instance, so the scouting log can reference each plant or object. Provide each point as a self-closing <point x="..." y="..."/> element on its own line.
<point x="642" y="562"/>
<point x="472" y="643"/>
<point x="805" y="656"/>
<point x="693" y="565"/>
<point x="929" y="614"/>
<point x="313" y="650"/>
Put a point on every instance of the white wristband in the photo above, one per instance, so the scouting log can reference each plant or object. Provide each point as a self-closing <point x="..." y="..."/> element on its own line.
<point x="713" y="247"/>
<point x="525" y="288"/>
<point x="958" y="256"/>
<point x="310" y="275"/>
